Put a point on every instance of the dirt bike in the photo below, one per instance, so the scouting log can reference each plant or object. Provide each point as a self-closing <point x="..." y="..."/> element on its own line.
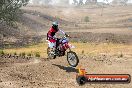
<point x="63" y="47"/>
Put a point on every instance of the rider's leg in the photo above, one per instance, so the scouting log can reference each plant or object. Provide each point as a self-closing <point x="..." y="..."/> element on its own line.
<point x="57" y="43"/>
<point x="52" y="45"/>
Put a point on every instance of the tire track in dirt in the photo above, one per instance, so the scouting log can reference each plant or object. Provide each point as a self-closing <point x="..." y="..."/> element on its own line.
<point x="57" y="74"/>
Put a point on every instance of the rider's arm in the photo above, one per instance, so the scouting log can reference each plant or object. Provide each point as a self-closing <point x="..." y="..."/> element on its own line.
<point x="49" y="36"/>
<point x="61" y="32"/>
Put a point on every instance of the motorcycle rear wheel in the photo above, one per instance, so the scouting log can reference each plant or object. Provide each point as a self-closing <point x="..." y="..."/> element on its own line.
<point x="50" y="53"/>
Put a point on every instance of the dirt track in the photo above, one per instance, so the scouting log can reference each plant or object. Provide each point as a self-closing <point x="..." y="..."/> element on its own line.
<point x="38" y="73"/>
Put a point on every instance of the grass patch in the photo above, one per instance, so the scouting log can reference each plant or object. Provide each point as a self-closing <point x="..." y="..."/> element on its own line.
<point x="29" y="54"/>
<point x="93" y="49"/>
<point x="30" y="50"/>
<point x="86" y="19"/>
<point x="37" y="54"/>
<point x="15" y="53"/>
<point x="2" y="52"/>
<point x="23" y="54"/>
<point x="88" y="49"/>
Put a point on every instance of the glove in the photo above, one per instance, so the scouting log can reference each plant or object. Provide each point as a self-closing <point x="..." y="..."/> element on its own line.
<point x="67" y="35"/>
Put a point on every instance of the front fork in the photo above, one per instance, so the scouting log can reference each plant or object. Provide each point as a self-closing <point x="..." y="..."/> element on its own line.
<point x="68" y="50"/>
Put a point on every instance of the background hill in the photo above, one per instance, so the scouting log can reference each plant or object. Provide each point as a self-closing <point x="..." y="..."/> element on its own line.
<point x="111" y="23"/>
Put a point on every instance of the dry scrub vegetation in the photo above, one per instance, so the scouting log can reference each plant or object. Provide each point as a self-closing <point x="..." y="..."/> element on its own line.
<point x="88" y="49"/>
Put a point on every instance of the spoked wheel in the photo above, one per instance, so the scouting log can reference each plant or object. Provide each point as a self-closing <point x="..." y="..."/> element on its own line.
<point x="72" y="59"/>
<point x="51" y="54"/>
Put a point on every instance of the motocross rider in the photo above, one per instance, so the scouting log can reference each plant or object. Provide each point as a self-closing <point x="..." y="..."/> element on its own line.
<point x="53" y="41"/>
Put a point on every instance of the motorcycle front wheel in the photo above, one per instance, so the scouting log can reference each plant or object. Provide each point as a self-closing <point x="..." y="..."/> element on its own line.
<point x="72" y="59"/>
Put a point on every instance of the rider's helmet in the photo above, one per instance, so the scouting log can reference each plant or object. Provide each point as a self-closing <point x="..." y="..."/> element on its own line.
<point x="55" y="25"/>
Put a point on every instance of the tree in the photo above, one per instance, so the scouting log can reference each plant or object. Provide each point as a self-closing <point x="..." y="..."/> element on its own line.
<point x="120" y="2"/>
<point x="43" y="2"/>
<point x="35" y="2"/>
<point x="88" y="2"/>
<point x="91" y="1"/>
<point x="80" y="2"/>
<point x="47" y="1"/>
<point x="9" y="10"/>
<point x="75" y="2"/>
<point x="63" y="2"/>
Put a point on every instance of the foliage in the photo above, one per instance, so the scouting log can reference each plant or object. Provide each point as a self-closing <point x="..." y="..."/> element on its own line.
<point x="120" y="55"/>
<point x="2" y="52"/>
<point x="9" y="10"/>
<point x="23" y="54"/>
<point x="91" y="49"/>
<point x="29" y="54"/>
<point x="37" y="54"/>
<point x="86" y="19"/>
<point x="15" y="53"/>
